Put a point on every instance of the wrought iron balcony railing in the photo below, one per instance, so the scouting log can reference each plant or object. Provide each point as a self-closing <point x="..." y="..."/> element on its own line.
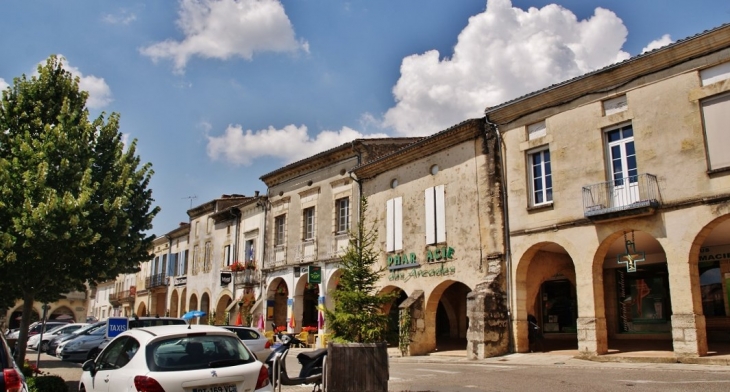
<point x="628" y="196"/>
<point x="157" y="280"/>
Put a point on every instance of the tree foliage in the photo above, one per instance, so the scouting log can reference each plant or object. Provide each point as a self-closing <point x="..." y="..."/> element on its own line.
<point x="358" y="314"/>
<point x="74" y="202"/>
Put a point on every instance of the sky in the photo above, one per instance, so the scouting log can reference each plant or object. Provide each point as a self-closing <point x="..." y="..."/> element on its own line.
<point x="218" y="93"/>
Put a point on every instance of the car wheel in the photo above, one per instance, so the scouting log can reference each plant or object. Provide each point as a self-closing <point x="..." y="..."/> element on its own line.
<point x="93" y="353"/>
<point x="44" y="347"/>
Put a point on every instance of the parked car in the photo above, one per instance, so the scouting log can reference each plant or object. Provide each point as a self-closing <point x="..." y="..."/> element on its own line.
<point x="56" y="342"/>
<point x="36" y="327"/>
<point x="35" y="341"/>
<point x="253" y="339"/>
<point x="85" y="346"/>
<point x="12" y="378"/>
<point x="175" y="358"/>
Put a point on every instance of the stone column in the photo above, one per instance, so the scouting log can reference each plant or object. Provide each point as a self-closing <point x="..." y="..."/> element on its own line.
<point x="488" y="333"/>
<point x="591" y="322"/>
<point x="689" y="336"/>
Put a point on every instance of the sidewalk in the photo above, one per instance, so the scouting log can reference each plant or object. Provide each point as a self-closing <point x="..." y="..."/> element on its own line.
<point x="634" y="356"/>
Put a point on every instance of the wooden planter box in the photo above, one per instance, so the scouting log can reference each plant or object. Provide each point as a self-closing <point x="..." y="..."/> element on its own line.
<point x="357" y="367"/>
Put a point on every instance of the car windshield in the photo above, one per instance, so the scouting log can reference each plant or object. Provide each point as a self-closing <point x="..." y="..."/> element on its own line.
<point x="88" y="329"/>
<point x="196" y="352"/>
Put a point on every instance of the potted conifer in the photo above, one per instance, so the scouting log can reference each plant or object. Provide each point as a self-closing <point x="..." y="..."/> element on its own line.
<point x="358" y="324"/>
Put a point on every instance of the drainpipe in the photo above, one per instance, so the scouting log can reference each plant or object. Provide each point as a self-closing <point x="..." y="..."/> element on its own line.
<point x="507" y="244"/>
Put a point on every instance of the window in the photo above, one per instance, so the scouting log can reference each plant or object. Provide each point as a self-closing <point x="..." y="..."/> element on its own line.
<point x="227" y="256"/>
<point x="184" y="262"/>
<point x="196" y="259"/>
<point x="716" y="117"/>
<point x="343" y="215"/>
<point x="622" y="154"/>
<point x="435" y="215"/>
<point x="394" y="225"/>
<point x="279" y="229"/>
<point x="197" y="225"/>
<point x="249" y="248"/>
<point x="308" y="223"/>
<point x="207" y="259"/>
<point x="541" y="180"/>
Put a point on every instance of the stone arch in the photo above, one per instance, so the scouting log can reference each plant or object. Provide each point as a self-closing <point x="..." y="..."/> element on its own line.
<point x="193" y="302"/>
<point x="446" y="321"/>
<point x="709" y="256"/>
<point x="174" y="304"/>
<point x="541" y="266"/>
<point x="306" y="299"/>
<point x="141" y="309"/>
<point x="633" y="297"/>
<point x="62" y="313"/>
<point x="277" y="295"/>
<point x="222" y="317"/>
<point x="183" y="301"/>
<point x="205" y="307"/>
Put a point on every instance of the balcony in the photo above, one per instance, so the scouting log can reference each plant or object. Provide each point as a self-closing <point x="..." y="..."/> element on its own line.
<point x="246" y="278"/>
<point x="122" y="297"/>
<point x="157" y="280"/>
<point x="306" y="251"/>
<point x="627" y="197"/>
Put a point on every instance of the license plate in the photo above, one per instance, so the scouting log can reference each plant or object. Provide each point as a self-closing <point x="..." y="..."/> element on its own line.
<point x="217" y="388"/>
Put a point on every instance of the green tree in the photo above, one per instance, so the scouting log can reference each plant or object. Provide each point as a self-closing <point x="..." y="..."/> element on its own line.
<point x="358" y="314"/>
<point x="74" y="203"/>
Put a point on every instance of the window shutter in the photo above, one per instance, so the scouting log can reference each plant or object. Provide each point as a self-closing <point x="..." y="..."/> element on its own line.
<point x="398" y="216"/>
<point x="430" y="216"/>
<point x="440" y="214"/>
<point x="389" y="230"/>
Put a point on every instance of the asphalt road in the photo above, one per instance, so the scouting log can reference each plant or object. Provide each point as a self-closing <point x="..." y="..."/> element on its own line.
<point x="449" y="375"/>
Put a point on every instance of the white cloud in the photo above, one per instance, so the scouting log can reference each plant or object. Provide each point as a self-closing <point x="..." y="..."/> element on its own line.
<point x="123" y="17"/>
<point x="100" y="94"/>
<point x="222" y="29"/>
<point x="501" y="54"/>
<point x="658" y="43"/>
<point x="290" y="143"/>
<point x="3" y="84"/>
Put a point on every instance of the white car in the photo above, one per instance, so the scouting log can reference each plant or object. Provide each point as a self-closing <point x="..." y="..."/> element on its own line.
<point x="253" y="339"/>
<point x="196" y="358"/>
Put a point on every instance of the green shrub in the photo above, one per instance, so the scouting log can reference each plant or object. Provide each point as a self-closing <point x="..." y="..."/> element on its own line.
<point x="47" y="384"/>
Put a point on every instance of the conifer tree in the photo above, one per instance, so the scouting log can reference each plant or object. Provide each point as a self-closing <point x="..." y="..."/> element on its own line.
<point x="358" y="314"/>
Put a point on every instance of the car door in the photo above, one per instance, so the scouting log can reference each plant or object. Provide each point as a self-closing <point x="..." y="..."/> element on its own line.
<point x="106" y="365"/>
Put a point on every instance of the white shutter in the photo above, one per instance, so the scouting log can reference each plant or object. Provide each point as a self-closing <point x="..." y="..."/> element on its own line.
<point x="430" y="217"/>
<point x="389" y="234"/>
<point x="398" y="217"/>
<point x="440" y="215"/>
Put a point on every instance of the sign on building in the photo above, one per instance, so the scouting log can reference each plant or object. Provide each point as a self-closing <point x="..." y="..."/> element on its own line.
<point x="315" y="274"/>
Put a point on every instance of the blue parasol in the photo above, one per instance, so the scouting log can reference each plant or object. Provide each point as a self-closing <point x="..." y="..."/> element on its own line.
<point x="192" y="314"/>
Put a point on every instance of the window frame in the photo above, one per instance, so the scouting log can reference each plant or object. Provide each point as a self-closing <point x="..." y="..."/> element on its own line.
<point x="543" y="177"/>
<point x="342" y="218"/>
<point x="308" y="224"/>
<point x="280" y="230"/>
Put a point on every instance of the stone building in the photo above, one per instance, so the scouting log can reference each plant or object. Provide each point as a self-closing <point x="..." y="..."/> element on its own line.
<point x="618" y="212"/>
<point x="436" y="205"/>
<point x="309" y="213"/>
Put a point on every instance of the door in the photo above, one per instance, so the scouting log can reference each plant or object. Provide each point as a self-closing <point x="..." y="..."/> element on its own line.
<point x="624" y="185"/>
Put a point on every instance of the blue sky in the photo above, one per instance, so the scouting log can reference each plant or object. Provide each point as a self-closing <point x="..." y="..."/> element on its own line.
<point x="219" y="92"/>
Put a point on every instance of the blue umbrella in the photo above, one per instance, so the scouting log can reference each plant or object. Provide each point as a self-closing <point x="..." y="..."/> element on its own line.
<point x="192" y="314"/>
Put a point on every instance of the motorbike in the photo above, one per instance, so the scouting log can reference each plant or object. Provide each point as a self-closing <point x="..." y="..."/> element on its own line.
<point x="312" y="364"/>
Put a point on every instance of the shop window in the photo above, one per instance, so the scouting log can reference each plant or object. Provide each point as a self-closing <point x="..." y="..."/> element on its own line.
<point x="643" y="300"/>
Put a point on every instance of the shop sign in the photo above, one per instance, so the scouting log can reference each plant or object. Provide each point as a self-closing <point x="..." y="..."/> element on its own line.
<point x="180" y="281"/>
<point x="225" y="278"/>
<point x="442" y="270"/>
<point x="410" y="260"/>
<point x="315" y="274"/>
<point x="714" y="253"/>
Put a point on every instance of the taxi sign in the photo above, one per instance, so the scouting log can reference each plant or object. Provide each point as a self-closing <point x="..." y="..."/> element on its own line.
<point x="115" y="326"/>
